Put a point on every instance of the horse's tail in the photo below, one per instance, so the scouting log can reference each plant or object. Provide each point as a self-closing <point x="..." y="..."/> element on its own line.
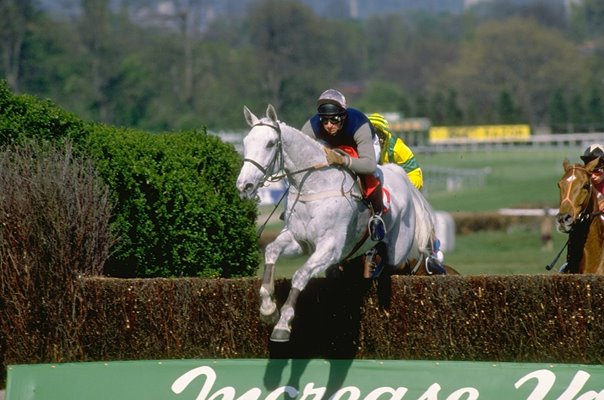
<point x="424" y="223"/>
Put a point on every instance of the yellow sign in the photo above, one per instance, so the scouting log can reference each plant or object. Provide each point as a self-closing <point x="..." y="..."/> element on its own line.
<point x="482" y="133"/>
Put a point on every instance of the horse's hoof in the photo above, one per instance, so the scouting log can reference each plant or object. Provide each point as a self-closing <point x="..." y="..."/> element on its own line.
<point x="268" y="310"/>
<point x="280" y="335"/>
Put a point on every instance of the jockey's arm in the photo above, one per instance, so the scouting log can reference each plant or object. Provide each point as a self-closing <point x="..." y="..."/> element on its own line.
<point x="307" y="130"/>
<point x="366" y="163"/>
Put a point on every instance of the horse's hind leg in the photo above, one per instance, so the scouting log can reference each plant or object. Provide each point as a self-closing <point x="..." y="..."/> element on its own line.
<point x="284" y="243"/>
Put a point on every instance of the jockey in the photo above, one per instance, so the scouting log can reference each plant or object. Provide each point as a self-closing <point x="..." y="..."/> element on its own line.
<point x="335" y="125"/>
<point x="597" y="176"/>
<point x="394" y="150"/>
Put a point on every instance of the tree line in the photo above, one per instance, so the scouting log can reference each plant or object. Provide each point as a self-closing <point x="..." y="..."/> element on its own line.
<point x="496" y="63"/>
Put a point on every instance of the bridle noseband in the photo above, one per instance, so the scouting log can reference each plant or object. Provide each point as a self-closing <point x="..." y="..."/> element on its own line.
<point x="579" y="216"/>
<point x="276" y="160"/>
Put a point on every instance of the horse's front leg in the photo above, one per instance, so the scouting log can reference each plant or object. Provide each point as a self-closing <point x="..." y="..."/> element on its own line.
<point x="286" y="244"/>
<point x="318" y="262"/>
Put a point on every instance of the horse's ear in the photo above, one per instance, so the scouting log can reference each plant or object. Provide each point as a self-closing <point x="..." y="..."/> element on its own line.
<point x="249" y="116"/>
<point x="566" y="164"/>
<point x="271" y="113"/>
<point x="592" y="164"/>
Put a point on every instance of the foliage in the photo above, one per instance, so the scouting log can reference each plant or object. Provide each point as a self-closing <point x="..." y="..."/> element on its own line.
<point x="26" y="116"/>
<point x="184" y="70"/>
<point x="54" y="228"/>
<point x="177" y="210"/>
<point x="526" y="62"/>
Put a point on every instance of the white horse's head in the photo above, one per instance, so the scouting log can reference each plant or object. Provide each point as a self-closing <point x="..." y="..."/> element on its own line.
<point x="261" y="152"/>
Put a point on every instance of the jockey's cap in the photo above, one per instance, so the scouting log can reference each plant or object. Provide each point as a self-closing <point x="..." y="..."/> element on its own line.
<point x="593" y="151"/>
<point x="379" y="122"/>
<point x="331" y="102"/>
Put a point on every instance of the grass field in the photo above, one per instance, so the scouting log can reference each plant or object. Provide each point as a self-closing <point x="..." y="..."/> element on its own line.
<point x="518" y="179"/>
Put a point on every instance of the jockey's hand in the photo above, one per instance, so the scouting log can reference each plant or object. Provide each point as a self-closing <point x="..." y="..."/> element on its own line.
<point x="334" y="158"/>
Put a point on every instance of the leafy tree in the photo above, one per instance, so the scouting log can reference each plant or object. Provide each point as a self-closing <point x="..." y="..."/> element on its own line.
<point x="507" y="111"/>
<point x="558" y="113"/>
<point x="16" y="20"/>
<point x="588" y="18"/>
<point x="595" y="111"/>
<point x="437" y="109"/>
<point x="384" y="97"/>
<point x="453" y="115"/>
<point x="288" y="39"/>
<point x="519" y="53"/>
<point x="576" y="112"/>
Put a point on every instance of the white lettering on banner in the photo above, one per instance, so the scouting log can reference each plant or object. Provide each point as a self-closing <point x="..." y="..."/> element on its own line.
<point x="471" y="392"/>
<point x="353" y="393"/>
<point x="544" y="378"/>
<point x="228" y="392"/>
<point x="276" y="394"/>
<point x="431" y="393"/>
<point x="309" y="390"/>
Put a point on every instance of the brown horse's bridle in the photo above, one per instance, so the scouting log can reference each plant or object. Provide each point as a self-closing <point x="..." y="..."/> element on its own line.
<point x="578" y="215"/>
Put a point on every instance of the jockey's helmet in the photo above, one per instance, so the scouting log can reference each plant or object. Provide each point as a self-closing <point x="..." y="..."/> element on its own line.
<point x="379" y="122"/>
<point x="592" y="152"/>
<point x="381" y="125"/>
<point x="331" y="102"/>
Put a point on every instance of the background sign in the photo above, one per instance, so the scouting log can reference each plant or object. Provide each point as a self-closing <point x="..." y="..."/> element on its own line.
<point x="515" y="133"/>
<point x="251" y="379"/>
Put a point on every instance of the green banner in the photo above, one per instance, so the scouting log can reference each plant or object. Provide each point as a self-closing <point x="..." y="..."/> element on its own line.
<point x="259" y="379"/>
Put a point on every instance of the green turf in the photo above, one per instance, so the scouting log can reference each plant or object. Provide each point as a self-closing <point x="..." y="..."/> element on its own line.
<point x="516" y="179"/>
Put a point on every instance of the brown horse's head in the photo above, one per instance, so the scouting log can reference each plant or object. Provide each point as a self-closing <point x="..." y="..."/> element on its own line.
<point x="576" y="194"/>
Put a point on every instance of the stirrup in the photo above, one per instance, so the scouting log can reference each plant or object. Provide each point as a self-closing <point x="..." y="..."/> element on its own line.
<point x="377" y="228"/>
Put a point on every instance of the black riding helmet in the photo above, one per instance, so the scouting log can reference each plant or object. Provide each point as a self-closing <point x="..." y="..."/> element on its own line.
<point x="592" y="152"/>
<point x="329" y="110"/>
<point x="331" y="102"/>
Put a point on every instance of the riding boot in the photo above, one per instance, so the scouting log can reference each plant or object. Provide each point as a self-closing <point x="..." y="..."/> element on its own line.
<point x="377" y="227"/>
<point x="434" y="262"/>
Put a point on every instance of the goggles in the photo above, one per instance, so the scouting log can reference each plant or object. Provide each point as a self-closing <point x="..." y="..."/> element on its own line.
<point x="336" y="119"/>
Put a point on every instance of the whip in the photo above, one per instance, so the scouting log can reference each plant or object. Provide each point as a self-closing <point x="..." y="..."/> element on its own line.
<point x="555" y="260"/>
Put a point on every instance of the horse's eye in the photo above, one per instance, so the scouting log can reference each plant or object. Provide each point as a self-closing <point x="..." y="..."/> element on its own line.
<point x="270" y="144"/>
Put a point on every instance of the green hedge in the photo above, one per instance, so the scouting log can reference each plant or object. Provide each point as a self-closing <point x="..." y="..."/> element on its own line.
<point x="27" y="116"/>
<point x="176" y="209"/>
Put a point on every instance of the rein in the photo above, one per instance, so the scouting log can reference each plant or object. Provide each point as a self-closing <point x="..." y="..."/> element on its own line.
<point x="582" y="219"/>
<point x="578" y="215"/>
<point x="278" y="160"/>
<point x="278" y="156"/>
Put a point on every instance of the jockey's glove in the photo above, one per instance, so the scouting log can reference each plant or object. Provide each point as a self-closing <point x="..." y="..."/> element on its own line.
<point x="335" y="158"/>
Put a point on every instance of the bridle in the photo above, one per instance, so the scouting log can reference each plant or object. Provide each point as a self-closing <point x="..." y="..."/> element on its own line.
<point x="579" y="216"/>
<point x="278" y="159"/>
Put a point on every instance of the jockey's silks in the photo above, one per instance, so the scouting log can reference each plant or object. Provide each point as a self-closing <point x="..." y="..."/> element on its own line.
<point x="354" y="120"/>
<point x="369" y="182"/>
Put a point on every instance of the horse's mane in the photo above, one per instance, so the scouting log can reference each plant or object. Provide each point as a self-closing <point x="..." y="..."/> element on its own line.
<point x="297" y="133"/>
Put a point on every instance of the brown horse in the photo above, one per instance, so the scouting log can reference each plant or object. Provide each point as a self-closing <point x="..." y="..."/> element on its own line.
<point x="580" y="217"/>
